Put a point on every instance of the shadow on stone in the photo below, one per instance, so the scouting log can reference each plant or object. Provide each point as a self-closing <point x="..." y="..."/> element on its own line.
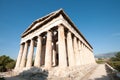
<point x="111" y="73"/>
<point x="102" y="78"/>
<point x="33" y="73"/>
<point x="106" y="78"/>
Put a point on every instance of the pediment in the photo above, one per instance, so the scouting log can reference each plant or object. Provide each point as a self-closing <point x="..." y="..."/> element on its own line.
<point x="41" y="21"/>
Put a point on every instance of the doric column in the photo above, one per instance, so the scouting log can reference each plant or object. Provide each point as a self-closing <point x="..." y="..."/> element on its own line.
<point x="92" y="57"/>
<point x="19" y="56"/>
<point x="62" y="47"/>
<point x="71" y="56"/>
<point x="48" y="55"/>
<point x="43" y="55"/>
<point x="54" y="53"/>
<point x="83" y="53"/>
<point x="76" y="51"/>
<point x="80" y="56"/>
<point x="38" y="61"/>
<point x="30" y="54"/>
<point x="22" y="64"/>
<point x="88" y="55"/>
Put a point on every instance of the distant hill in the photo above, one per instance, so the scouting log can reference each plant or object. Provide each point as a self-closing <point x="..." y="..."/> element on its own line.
<point x="106" y="55"/>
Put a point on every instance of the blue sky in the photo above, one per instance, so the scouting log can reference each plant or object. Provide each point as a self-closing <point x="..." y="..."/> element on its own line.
<point x="98" y="20"/>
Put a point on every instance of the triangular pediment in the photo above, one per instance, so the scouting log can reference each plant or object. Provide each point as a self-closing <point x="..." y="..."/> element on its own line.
<point x="42" y="21"/>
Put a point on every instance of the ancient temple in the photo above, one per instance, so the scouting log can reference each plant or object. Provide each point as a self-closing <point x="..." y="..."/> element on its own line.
<point x="53" y="41"/>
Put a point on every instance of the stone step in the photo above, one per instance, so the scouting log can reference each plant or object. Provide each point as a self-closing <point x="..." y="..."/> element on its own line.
<point x="68" y="73"/>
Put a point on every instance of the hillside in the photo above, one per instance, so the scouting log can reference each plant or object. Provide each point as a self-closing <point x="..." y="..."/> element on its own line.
<point x="105" y="55"/>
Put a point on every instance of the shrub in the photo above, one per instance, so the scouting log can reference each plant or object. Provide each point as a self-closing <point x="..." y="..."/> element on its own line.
<point x="6" y="63"/>
<point x="100" y="61"/>
<point x="2" y="78"/>
<point x="115" y="64"/>
<point x="10" y="65"/>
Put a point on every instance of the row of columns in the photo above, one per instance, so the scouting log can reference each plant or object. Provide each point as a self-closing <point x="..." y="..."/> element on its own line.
<point x="71" y="51"/>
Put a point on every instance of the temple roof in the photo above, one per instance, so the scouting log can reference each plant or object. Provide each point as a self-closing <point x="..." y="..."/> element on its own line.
<point x="44" y="20"/>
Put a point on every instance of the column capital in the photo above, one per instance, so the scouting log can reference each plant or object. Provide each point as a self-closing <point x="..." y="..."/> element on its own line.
<point x="22" y="43"/>
<point x="32" y="38"/>
<point x="60" y="25"/>
<point x="39" y="36"/>
<point x="69" y="35"/>
<point x="49" y="35"/>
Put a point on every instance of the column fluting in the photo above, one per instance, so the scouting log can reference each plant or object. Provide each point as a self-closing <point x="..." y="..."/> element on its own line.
<point x="76" y="51"/>
<point x="19" y="56"/>
<point x="30" y="54"/>
<point x="48" y="54"/>
<point x="71" y="56"/>
<point x="38" y="61"/>
<point x="54" y="53"/>
<point x="23" y="61"/>
<point x="62" y="47"/>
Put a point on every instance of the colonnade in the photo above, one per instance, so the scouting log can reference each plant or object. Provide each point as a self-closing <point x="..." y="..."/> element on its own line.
<point x="55" y="47"/>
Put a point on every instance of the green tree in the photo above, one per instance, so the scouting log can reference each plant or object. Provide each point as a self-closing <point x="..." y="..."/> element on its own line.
<point x="117" y="56"/>
<point x="115" y="61"/>
<point x="6" y="63"/>
<point x="10" y="65"/>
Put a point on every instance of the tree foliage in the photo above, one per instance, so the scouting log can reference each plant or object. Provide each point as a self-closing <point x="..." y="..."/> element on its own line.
<point x="115" y="61"/>
<point x="6" y="63"/>
<point x="116" y="58"/>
